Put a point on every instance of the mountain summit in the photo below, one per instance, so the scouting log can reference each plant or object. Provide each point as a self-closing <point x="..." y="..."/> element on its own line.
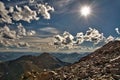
<point x="20" y="68"/>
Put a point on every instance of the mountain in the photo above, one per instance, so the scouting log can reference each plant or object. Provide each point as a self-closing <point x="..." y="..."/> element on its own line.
<point x="7" y="56"/>
<point x="103" y="64"/>
<point x="28" y="64"/>
<point x="65" y="57"/>
<point x="70" y="57"/>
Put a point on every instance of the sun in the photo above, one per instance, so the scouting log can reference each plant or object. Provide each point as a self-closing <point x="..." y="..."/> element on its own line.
<point x="85" y="11"/>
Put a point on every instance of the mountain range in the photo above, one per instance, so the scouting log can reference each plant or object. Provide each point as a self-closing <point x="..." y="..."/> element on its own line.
<point x="65" y="57"/>
<point x="102" y="64"/>
<point x="15" y="69"/>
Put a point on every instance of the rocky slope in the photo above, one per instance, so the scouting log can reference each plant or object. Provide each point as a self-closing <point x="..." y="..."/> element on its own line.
<point x="103" y="64"/>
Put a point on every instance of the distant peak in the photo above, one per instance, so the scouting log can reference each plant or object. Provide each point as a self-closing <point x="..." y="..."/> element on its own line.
<point x="45" y="54"/>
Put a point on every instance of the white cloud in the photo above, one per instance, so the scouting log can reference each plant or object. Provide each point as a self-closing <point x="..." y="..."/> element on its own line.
<point x="64" y="40"/>
<point x="7" y="33"/>
<point x="19" y="9"/>
<point x="31" y="33"/>
<point x="21" y="30"/>
<point x="110" y="38"/>
<point x="6" y="29"/>
<point x="68" y="40"/>
<point x="117" y="30"/>
<point x="58" y="39"/>
<point x="93" y="35"/>
<point x="44" y="9"/>
<point x="4" y="43"/>
<point x="5" y="18"/>
<point x="8" y="43"/>
<point x="11" y="9"/>
<point x="25" y="14"/>
<point x="50" y="30"/>
<point x="80" y="38"/>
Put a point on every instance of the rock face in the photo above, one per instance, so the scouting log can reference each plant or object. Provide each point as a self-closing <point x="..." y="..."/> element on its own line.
<point x="103" y="64"/>
<point x="27" y="67"/>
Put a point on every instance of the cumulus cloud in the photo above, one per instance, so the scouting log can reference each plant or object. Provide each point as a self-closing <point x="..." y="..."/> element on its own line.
<point x="80" y="38"/>
<point x="93" y="35"/>
<point x="117" y="30"/>
<point x="5" y="18"/>
<point x="68" y="38"/>
<point x="11" y="9"/>
<point x="8" y="37"/>
<point x="7" y="33"/>
<point x="4" y="43"/>
<point x="50" y="30"/>
<point x="44" y="9"/>
<point x="25" y="14"/>
<point x="58" y="40"/>
<point x="21" y="30"/>
<point x="64" y="40"/>
<point x="110" y="38"/>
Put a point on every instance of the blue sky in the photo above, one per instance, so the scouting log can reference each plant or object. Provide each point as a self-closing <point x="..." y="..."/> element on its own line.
<point x="104" y="20"/>
<point x="105" y="15"/>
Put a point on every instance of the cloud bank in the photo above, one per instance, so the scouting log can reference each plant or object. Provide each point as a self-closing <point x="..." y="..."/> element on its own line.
<point x="8" y="36"/>
<point x="91" y="35"/>
<point x="25" y="12"/>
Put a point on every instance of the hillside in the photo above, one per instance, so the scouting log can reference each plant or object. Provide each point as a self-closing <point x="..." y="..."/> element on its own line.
<point x="103" y="64"/>
<point x="15" y="69"/>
